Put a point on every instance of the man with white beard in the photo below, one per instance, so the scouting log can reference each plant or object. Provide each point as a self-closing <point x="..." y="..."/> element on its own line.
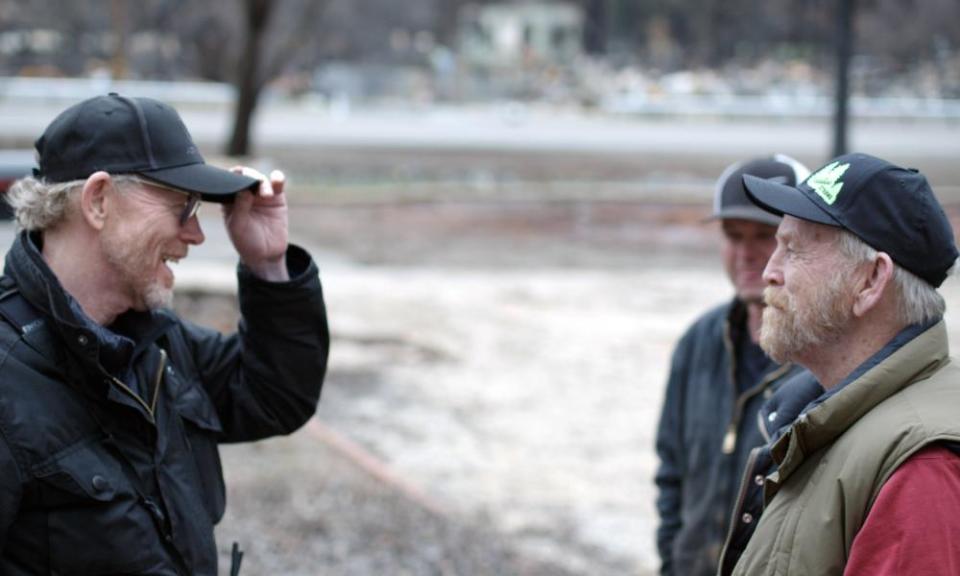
<point x="866" y="479"/>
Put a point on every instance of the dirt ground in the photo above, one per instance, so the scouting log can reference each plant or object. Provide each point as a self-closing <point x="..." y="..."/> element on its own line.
<point x="501" y="363"/>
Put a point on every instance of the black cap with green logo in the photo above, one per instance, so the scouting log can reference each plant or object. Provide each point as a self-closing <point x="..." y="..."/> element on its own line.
<point x="892" y="209"/>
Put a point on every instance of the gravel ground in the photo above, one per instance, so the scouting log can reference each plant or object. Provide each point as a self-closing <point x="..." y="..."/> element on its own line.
<point x="495" y="378"/>
<point x="318" y="503"/>
<point x="305" y="509"/>
<point x="492" y="365"/>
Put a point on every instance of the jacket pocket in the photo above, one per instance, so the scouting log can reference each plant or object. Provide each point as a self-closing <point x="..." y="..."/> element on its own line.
<point x="80" y="472"/>
<point x="94" y="520"/>
<point x="202" y="428"/>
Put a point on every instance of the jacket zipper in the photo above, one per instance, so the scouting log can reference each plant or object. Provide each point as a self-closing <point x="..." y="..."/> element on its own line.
<point x="153" y="509"/>
<point x="158" y="379"/>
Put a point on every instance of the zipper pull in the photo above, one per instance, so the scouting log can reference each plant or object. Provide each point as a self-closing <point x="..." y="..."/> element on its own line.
<point x="730" y="440"/>
<point x="157" y="381"/>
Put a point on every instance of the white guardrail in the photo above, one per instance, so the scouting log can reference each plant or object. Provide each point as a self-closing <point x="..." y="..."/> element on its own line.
<point x="58" y="90"/>
<point x="783" y="105"/>
<point x="775" y="104"/>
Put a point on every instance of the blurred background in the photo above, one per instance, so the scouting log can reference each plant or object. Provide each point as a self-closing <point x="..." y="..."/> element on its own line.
<point x="506" y="200"/>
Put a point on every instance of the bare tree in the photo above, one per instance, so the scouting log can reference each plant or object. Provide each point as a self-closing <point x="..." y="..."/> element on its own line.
<point x="262" y="61"/>
<point x="250" y="79"/>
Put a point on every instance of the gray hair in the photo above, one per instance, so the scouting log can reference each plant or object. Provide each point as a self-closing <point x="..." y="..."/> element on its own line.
<point x="41" y="205"/>
<point x="919" y="302"/>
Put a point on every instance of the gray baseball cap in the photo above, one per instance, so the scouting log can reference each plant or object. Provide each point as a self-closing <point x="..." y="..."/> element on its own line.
<point x="730" y="197"/>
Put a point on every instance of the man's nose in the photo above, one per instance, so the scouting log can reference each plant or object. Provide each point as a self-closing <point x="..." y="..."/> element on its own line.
<point x="772" y="272"/>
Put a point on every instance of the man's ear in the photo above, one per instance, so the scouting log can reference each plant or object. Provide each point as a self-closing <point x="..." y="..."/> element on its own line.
<point x="877" y="282"/>
<point x="95" y="200"/>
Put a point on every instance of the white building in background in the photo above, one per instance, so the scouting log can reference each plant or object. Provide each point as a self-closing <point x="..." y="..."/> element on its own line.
<point x="522" y="32"/>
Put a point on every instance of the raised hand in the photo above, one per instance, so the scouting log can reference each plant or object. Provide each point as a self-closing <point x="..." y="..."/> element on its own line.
<point x="257" y="225"/>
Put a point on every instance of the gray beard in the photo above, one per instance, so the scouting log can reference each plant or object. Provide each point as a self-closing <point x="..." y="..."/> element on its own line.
<point x="156" y="297"/>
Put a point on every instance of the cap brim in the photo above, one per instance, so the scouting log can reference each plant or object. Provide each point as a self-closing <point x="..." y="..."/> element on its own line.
<point x="212" y="183"/>
<point x="781" y="199"/>
<point x="751" y="213"/>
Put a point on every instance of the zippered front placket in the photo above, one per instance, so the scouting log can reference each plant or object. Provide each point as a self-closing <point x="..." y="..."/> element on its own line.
<point x="158" y="380"/>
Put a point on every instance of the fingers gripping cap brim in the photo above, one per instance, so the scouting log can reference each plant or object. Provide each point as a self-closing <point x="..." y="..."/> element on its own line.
<point x="212" y="183"/>
<point x="780" y="199"/>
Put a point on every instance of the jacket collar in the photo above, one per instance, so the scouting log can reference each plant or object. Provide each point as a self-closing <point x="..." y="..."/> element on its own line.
<point x="828" y="420"/>
<point x="110" y="348"/>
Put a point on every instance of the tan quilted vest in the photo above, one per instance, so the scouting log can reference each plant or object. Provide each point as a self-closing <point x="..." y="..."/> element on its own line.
<point x="836" y="457"/>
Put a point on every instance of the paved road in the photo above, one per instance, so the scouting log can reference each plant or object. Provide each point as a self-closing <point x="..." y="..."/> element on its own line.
<point x="928" y="145"/>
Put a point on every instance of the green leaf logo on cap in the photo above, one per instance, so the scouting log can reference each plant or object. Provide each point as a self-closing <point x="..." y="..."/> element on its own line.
<point x="826" y="181"/>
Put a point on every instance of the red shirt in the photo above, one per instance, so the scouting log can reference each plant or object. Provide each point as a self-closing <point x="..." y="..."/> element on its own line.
<point x="913" y="528"/>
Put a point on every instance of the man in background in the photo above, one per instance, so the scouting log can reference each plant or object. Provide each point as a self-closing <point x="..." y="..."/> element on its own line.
<point x="719" y="378"/>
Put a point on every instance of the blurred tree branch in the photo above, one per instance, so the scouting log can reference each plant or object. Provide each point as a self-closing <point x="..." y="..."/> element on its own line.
<point x="267" y="51"/>
<point x="257" y="15"/>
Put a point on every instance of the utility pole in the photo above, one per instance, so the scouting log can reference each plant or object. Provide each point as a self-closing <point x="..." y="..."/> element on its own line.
<point x="844" y="37"/>
<point x="595" y="29"/>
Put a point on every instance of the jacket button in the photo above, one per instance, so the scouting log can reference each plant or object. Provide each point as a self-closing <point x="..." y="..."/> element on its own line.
<point x="747" y="518"/>
<point x="772" y="416"/>
<point x="100" y="483"/>
<point x="758" y="479"/>
<point x="82" y="339"/>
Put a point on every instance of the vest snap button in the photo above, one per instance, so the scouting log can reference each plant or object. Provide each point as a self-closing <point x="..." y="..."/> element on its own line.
<point x="758" y="479"/>
<point x="772" y="416"/>
<point x="747" y="518"/>
<point x="100" y="483"/>
<point x="82" y="339"/>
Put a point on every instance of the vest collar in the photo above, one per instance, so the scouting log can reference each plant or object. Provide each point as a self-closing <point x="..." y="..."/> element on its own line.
<point x="827" y="421"/>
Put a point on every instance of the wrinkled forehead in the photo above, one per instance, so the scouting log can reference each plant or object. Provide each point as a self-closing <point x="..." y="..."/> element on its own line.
<point x="799" y="230"/>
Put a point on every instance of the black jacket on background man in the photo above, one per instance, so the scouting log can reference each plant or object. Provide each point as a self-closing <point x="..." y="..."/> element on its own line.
<point x="707" y="429"/>
<point x="108" y="443"/>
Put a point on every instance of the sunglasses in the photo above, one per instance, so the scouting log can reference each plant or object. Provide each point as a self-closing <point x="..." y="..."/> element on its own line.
<point x="190" y="207"/>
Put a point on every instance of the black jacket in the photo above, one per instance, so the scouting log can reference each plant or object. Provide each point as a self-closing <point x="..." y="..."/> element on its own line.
<point x="707" y="429"/>
<point x="108" y="438"/>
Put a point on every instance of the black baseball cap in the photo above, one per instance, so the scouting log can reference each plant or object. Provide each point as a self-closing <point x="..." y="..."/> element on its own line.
<point x="730" y="197"/>
<point x="892" y="209"/>
<point x="122" y="135"/>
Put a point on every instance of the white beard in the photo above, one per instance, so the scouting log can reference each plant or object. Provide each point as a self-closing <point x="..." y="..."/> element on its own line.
<point x="157" y="296"/>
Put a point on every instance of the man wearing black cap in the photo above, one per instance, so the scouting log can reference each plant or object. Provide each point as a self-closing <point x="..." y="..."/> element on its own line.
<point x="111" y="407"/>
<point x="719" y="377"/>
<point x="866" y="480"/>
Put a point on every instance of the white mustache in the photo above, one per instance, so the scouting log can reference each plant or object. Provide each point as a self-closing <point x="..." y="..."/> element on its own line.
<point x="775" y="298"/>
